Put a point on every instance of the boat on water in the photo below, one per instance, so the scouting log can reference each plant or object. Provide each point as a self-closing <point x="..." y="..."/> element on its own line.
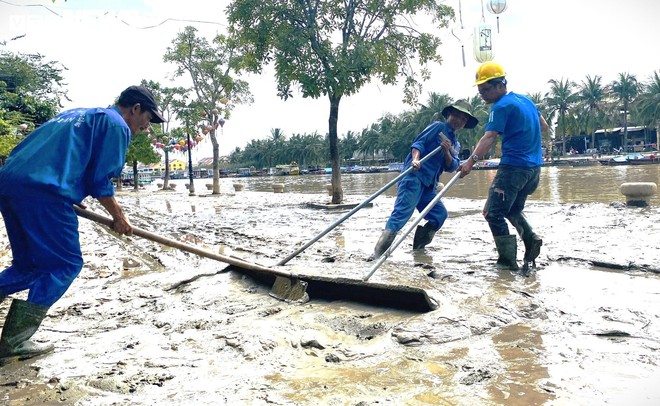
<point x="288" y="169"/>
<point x="487" y="165"/>
<point x="144" y="178"/>
<point x="645" y="160"/>
<point x="631" y="159"/>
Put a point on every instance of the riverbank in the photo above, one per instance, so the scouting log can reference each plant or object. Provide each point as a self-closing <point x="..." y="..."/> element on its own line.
<point x="583" y="329"/>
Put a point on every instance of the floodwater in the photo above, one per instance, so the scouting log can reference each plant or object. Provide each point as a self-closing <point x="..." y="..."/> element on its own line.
<point x="583" y="329"/>
<point x="559" y="184"/>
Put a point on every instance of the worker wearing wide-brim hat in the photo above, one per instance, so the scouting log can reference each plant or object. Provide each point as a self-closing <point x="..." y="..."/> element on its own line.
<point x="419" y="187"/>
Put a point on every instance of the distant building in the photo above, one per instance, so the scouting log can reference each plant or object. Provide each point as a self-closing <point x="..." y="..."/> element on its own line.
<point x="640" y="138"/>
<point x="379" y="157"/>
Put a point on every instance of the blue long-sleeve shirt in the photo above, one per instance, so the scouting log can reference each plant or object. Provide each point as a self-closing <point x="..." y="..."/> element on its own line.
<point x="427" y="141"/>
<point x="72" y="156"/>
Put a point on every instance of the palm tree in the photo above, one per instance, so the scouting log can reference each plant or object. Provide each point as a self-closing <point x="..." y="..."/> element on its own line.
<point x="625" y="89"/>
<point x="469" y="137"/>
<point x="561" y="99"/>
<point x="546" y="112"/>
<point x="369" y="140"/>
<point x="648" y="102"/>
<point x="348" y="144"/>
<point x="591" y="96"/>
<point x="236" y="156"/>
<point x="432" y="110"/>
<point x="403" y="133"/>
<point x="316" y="148"/>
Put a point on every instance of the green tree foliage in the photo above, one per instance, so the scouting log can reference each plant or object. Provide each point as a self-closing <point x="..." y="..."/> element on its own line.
<point x="390" y="135"/>
<point x="31" y="86"/>
<point x="140" y="150"/>
<point x="7" y="144"/>
<point x="333" y="48"/>
<point x="561" y="99"/>
<point x="211" y="68"/>
<point x="30" y="93"/>
<point x="304" y="149"/>
<point x="169" y="100"/>
<point x="648" y="103"/>
<point x="546" y="113"/>
<point x="625" y="89"/>
<point x="591" y="96"/>
<point x="189" y="115"/>
<point x="348" y="145"/>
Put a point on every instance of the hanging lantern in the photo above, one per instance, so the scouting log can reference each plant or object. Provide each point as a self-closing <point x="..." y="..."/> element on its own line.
<point x="182" y="143"/>
<point x="224" y="100"/>
<point x="177" y="147"/>
<point x="199" y="138"/>
<point x="205" y="131"/>
<point x="221" y="122"/>
<point x="483" y="45"/>
<point x="154" y="141"/>
<point x="496" y="7"/>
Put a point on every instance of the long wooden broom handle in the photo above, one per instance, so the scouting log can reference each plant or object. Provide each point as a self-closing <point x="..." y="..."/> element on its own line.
<point x="107" y="221"/>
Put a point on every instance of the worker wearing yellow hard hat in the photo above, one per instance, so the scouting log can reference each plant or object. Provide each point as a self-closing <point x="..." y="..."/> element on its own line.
<point x="518" y="121"/>
<point x="488" y="71"/>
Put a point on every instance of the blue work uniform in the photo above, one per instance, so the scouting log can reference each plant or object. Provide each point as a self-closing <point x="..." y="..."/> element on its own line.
<point x="418" y="188"/>
<point x="74" y="155"/>
<point x="516" y="118"/>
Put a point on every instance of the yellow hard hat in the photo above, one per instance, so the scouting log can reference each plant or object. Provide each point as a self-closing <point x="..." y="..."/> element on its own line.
<point x="488" y="71"/>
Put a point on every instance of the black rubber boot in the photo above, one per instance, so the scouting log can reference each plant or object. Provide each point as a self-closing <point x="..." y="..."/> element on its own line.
<point x="23" y="320"/>
<point x="531" y="240"/>
<point x="507" y="248"/>
<point x="383" y="244"/>
<point x="423" y="236"/>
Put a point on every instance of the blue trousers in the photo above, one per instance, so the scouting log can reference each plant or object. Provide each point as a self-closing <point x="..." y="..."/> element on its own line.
<point x="508" y="194"/>
<point x="45" y="245"/>
<point x="411" y="195"/>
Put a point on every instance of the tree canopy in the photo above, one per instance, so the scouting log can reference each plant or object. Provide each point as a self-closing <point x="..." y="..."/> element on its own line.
<point x="333" y="48"/>
<point x="31" y="90"/>
<point x="212" y="70"/>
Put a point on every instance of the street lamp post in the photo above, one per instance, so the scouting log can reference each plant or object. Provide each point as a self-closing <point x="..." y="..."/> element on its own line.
<point x="191" y="188"/>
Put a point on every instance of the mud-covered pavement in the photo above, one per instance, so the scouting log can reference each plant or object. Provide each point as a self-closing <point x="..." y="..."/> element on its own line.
<point x="583" y="330"/>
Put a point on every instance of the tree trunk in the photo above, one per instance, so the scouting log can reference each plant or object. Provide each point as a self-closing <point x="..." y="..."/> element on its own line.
<point x="593" y="139"/>
<point x="625" y="127"/>
<point x="166" y="177"/>
<point x="216" y="161"/>
<point x="337" y="192"/>
<point x="136" y="183"/>
<point x="563" y="134"/>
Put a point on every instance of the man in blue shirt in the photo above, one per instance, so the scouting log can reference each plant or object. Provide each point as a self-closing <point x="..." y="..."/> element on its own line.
<point x="418" y="188"/>
<point x="519" y="122"/>
<point x="74" y="155"/>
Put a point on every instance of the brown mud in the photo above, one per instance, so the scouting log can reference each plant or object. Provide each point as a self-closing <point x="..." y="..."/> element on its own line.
<point x="583" y="329"/>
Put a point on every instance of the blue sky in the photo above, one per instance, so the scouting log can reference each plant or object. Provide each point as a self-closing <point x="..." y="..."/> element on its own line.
<point x="106" y="47"/>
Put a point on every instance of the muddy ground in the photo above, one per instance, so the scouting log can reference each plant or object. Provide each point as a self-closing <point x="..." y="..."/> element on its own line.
<point x="583" y="329"/>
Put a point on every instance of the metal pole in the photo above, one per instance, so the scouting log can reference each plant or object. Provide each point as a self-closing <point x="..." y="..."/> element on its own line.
<point x="191" y="188"/>
<point x="399" y="240"/>
<point x="358" y="207"/>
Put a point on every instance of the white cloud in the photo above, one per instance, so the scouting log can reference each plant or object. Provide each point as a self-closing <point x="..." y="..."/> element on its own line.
<point x="538" y="41"/>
